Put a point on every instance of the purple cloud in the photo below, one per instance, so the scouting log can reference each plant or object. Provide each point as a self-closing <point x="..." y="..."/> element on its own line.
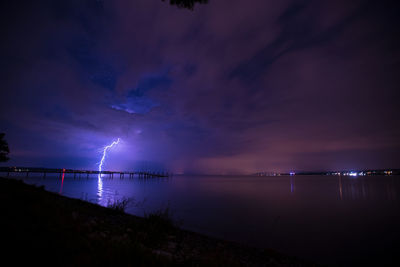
<point x="226" y="88"/>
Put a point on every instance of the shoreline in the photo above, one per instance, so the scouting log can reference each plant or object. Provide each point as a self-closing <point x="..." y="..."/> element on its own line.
<point x="50" y="228"/>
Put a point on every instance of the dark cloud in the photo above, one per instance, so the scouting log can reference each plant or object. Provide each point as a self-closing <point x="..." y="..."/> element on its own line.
<point x="225" y="88"/>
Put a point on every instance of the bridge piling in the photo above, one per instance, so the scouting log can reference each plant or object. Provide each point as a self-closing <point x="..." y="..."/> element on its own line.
<point x="79" y="174"/>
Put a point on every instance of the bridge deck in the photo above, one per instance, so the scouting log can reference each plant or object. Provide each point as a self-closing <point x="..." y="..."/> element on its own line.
<point x="9" y="170"/>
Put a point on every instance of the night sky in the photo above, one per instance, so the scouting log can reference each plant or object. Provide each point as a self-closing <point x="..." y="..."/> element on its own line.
<point x="231" y="87"/>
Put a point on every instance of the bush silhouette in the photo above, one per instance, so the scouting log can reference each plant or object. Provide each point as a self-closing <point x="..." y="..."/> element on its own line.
<point x="4" y="150"/>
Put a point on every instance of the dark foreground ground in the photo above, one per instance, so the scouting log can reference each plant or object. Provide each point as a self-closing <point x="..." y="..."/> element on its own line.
<point x="40" y="227"/>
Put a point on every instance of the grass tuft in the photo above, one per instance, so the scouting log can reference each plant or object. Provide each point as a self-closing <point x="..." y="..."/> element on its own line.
<point x="161" y="217"/>
<point x="119" y="204"/>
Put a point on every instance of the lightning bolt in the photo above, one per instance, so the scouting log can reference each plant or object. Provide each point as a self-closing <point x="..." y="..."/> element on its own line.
<point x="105" y="149"/>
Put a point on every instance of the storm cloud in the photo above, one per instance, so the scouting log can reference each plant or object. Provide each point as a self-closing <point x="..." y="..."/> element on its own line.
<point x="229" y="87"/>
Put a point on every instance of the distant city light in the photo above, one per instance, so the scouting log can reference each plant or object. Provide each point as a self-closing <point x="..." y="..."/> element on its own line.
<point x="338" y="173"/>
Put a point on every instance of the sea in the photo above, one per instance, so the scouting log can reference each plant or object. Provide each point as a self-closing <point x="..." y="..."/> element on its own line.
<point x="330" y="220"/>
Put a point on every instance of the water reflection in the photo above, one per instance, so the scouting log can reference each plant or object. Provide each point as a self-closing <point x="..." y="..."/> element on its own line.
<point x="104" y="192"/>
<point x="100" y="188"/>
<point x="292" y="184"/>
<point x="62" y="181"/>
<point x="368" y="188"/>
<point x="110" y="190"/>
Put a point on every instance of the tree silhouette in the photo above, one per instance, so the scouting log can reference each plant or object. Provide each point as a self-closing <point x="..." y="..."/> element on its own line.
<point x="4" y="150"/>
<point x="189" y="4"/>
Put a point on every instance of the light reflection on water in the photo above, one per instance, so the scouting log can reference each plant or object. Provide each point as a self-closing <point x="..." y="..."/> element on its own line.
<point x="100" y="189"/>
<point x="330" y="219"/>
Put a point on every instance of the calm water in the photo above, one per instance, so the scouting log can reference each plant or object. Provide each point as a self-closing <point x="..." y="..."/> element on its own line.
<point x="328" y="219"/>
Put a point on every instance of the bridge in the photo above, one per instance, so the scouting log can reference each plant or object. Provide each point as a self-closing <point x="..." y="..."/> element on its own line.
<point x="79" y="173"/>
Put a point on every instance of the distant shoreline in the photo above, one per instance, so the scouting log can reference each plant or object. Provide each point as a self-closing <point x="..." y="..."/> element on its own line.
<point x="6" y="170"/>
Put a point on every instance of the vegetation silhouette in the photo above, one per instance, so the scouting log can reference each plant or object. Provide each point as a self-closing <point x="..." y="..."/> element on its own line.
<point x="4" y="149"/>
<point x="189" y="4"/>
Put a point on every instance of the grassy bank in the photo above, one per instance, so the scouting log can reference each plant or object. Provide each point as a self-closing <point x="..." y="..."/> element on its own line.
<point x="43" y="227"/>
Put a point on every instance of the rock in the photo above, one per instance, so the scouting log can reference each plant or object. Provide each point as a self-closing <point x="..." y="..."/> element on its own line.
<point x="163" y="253"/>
<point x="93" y="223"/>
<point x="171" y="245"/>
